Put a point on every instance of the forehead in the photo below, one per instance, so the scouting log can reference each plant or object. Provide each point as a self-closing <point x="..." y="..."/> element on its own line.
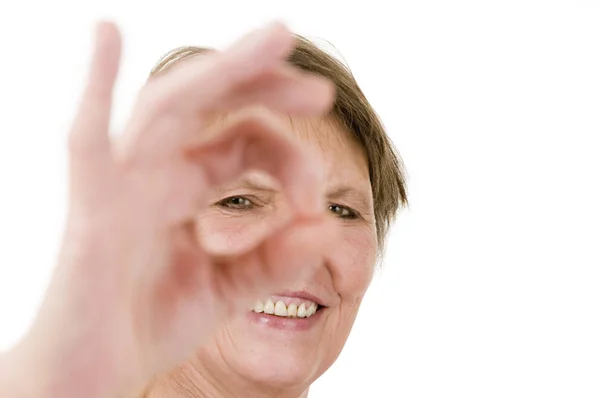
<point x="345" y="162"/>
<point x="340" y="152"/>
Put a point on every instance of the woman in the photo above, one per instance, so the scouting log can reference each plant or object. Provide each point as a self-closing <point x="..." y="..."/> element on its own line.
<point x="220" y="246"/>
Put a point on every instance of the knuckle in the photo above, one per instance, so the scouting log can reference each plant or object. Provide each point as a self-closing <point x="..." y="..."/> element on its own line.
<point x="154" y="99"/>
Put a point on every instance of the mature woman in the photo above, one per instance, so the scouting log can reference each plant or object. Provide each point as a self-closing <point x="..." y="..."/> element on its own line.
<point x="220" y="246"/>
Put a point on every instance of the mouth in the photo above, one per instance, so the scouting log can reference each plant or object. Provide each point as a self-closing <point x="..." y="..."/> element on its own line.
<point x="287" y="307"/>
<point x="292" y="312"/>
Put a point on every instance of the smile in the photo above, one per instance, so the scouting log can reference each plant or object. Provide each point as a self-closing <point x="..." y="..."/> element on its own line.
<point x="293" y="308"/>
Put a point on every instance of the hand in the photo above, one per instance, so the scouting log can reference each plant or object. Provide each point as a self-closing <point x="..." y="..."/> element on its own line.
<point x="134" y="291"/>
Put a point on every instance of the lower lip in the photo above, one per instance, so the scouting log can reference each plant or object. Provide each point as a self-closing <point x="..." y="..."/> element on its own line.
<point x="280" y="323"/>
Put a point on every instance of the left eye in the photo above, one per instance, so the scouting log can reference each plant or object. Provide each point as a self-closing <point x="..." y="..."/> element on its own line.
<point x="236" y="202"/>
<point x="342" y="211"/>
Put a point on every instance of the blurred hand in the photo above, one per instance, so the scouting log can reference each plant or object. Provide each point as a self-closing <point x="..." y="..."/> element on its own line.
<point x="135" y="291"/>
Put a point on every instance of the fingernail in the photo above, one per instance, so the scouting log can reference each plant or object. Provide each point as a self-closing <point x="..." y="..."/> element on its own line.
<point x="261" y="34"/>
<point x="270" y="27"/>
<point x="312" y="202"/>
<point x="100" y="30"/>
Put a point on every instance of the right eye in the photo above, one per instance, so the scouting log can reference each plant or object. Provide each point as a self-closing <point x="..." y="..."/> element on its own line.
<point x="236" y="203"/>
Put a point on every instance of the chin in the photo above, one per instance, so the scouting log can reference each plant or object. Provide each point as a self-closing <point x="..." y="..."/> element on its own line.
<point x="267" y="351"/>
<point x="276" y="365"/>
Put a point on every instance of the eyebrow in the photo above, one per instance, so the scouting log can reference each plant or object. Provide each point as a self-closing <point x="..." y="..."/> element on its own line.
<point x="253" y="181"/>
<point x="356" y="196"/>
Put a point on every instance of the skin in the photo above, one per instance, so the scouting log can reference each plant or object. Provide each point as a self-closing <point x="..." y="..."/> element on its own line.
<point x="251" y="360"/>
<point x="135" y="291"/>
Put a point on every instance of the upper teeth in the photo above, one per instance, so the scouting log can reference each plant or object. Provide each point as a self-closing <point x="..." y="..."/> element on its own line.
<point x="303" y="310"/>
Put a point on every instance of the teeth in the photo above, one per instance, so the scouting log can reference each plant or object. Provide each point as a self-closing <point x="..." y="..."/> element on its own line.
<point x="280" y="309"/>
<point x="269" y="307"/>
<point x="302" y="310"/>
<point x="311" y="310"/>
<point x="292" y="310"/>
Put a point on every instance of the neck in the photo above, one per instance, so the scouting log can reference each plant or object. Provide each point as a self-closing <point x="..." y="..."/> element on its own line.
<point x="192" y="380"/>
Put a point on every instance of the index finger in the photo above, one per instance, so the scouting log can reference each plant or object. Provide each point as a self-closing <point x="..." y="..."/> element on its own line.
<point x="258" y="141"/>
<point x="199" y="82"/>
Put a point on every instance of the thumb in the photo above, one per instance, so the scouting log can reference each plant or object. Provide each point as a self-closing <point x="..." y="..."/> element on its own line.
<point x="89" y="140"/>
<point x="295" y="252"/>
<point x="288" y="256"/>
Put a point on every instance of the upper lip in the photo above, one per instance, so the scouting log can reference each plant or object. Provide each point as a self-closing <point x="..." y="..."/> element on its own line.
<point x="302" y="294"/>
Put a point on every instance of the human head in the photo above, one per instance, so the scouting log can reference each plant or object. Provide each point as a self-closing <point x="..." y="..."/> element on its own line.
<point x="357" y="153"/>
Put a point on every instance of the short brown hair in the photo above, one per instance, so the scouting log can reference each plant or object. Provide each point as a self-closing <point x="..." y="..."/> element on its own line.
<point x="355" y="113"/>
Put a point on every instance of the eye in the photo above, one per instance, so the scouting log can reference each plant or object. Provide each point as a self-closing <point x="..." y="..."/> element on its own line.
<point x="236" y="203"/>
<point x="343" y="212"/>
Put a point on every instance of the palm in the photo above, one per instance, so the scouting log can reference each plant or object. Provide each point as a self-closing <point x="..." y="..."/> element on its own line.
<point x="156" y="292"/>
<point x="187" y="289"/>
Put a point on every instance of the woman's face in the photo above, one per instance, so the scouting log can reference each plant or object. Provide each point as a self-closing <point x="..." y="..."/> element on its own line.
<point x="279" y="342"/>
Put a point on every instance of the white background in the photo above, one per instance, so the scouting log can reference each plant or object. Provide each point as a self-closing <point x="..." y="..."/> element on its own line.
<point x="491" y="283"/>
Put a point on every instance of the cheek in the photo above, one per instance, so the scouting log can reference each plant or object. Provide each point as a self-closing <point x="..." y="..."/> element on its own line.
<point x="352" y="266"/>
<point x="224" y="232"/>
<point x="354" y="262"/>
